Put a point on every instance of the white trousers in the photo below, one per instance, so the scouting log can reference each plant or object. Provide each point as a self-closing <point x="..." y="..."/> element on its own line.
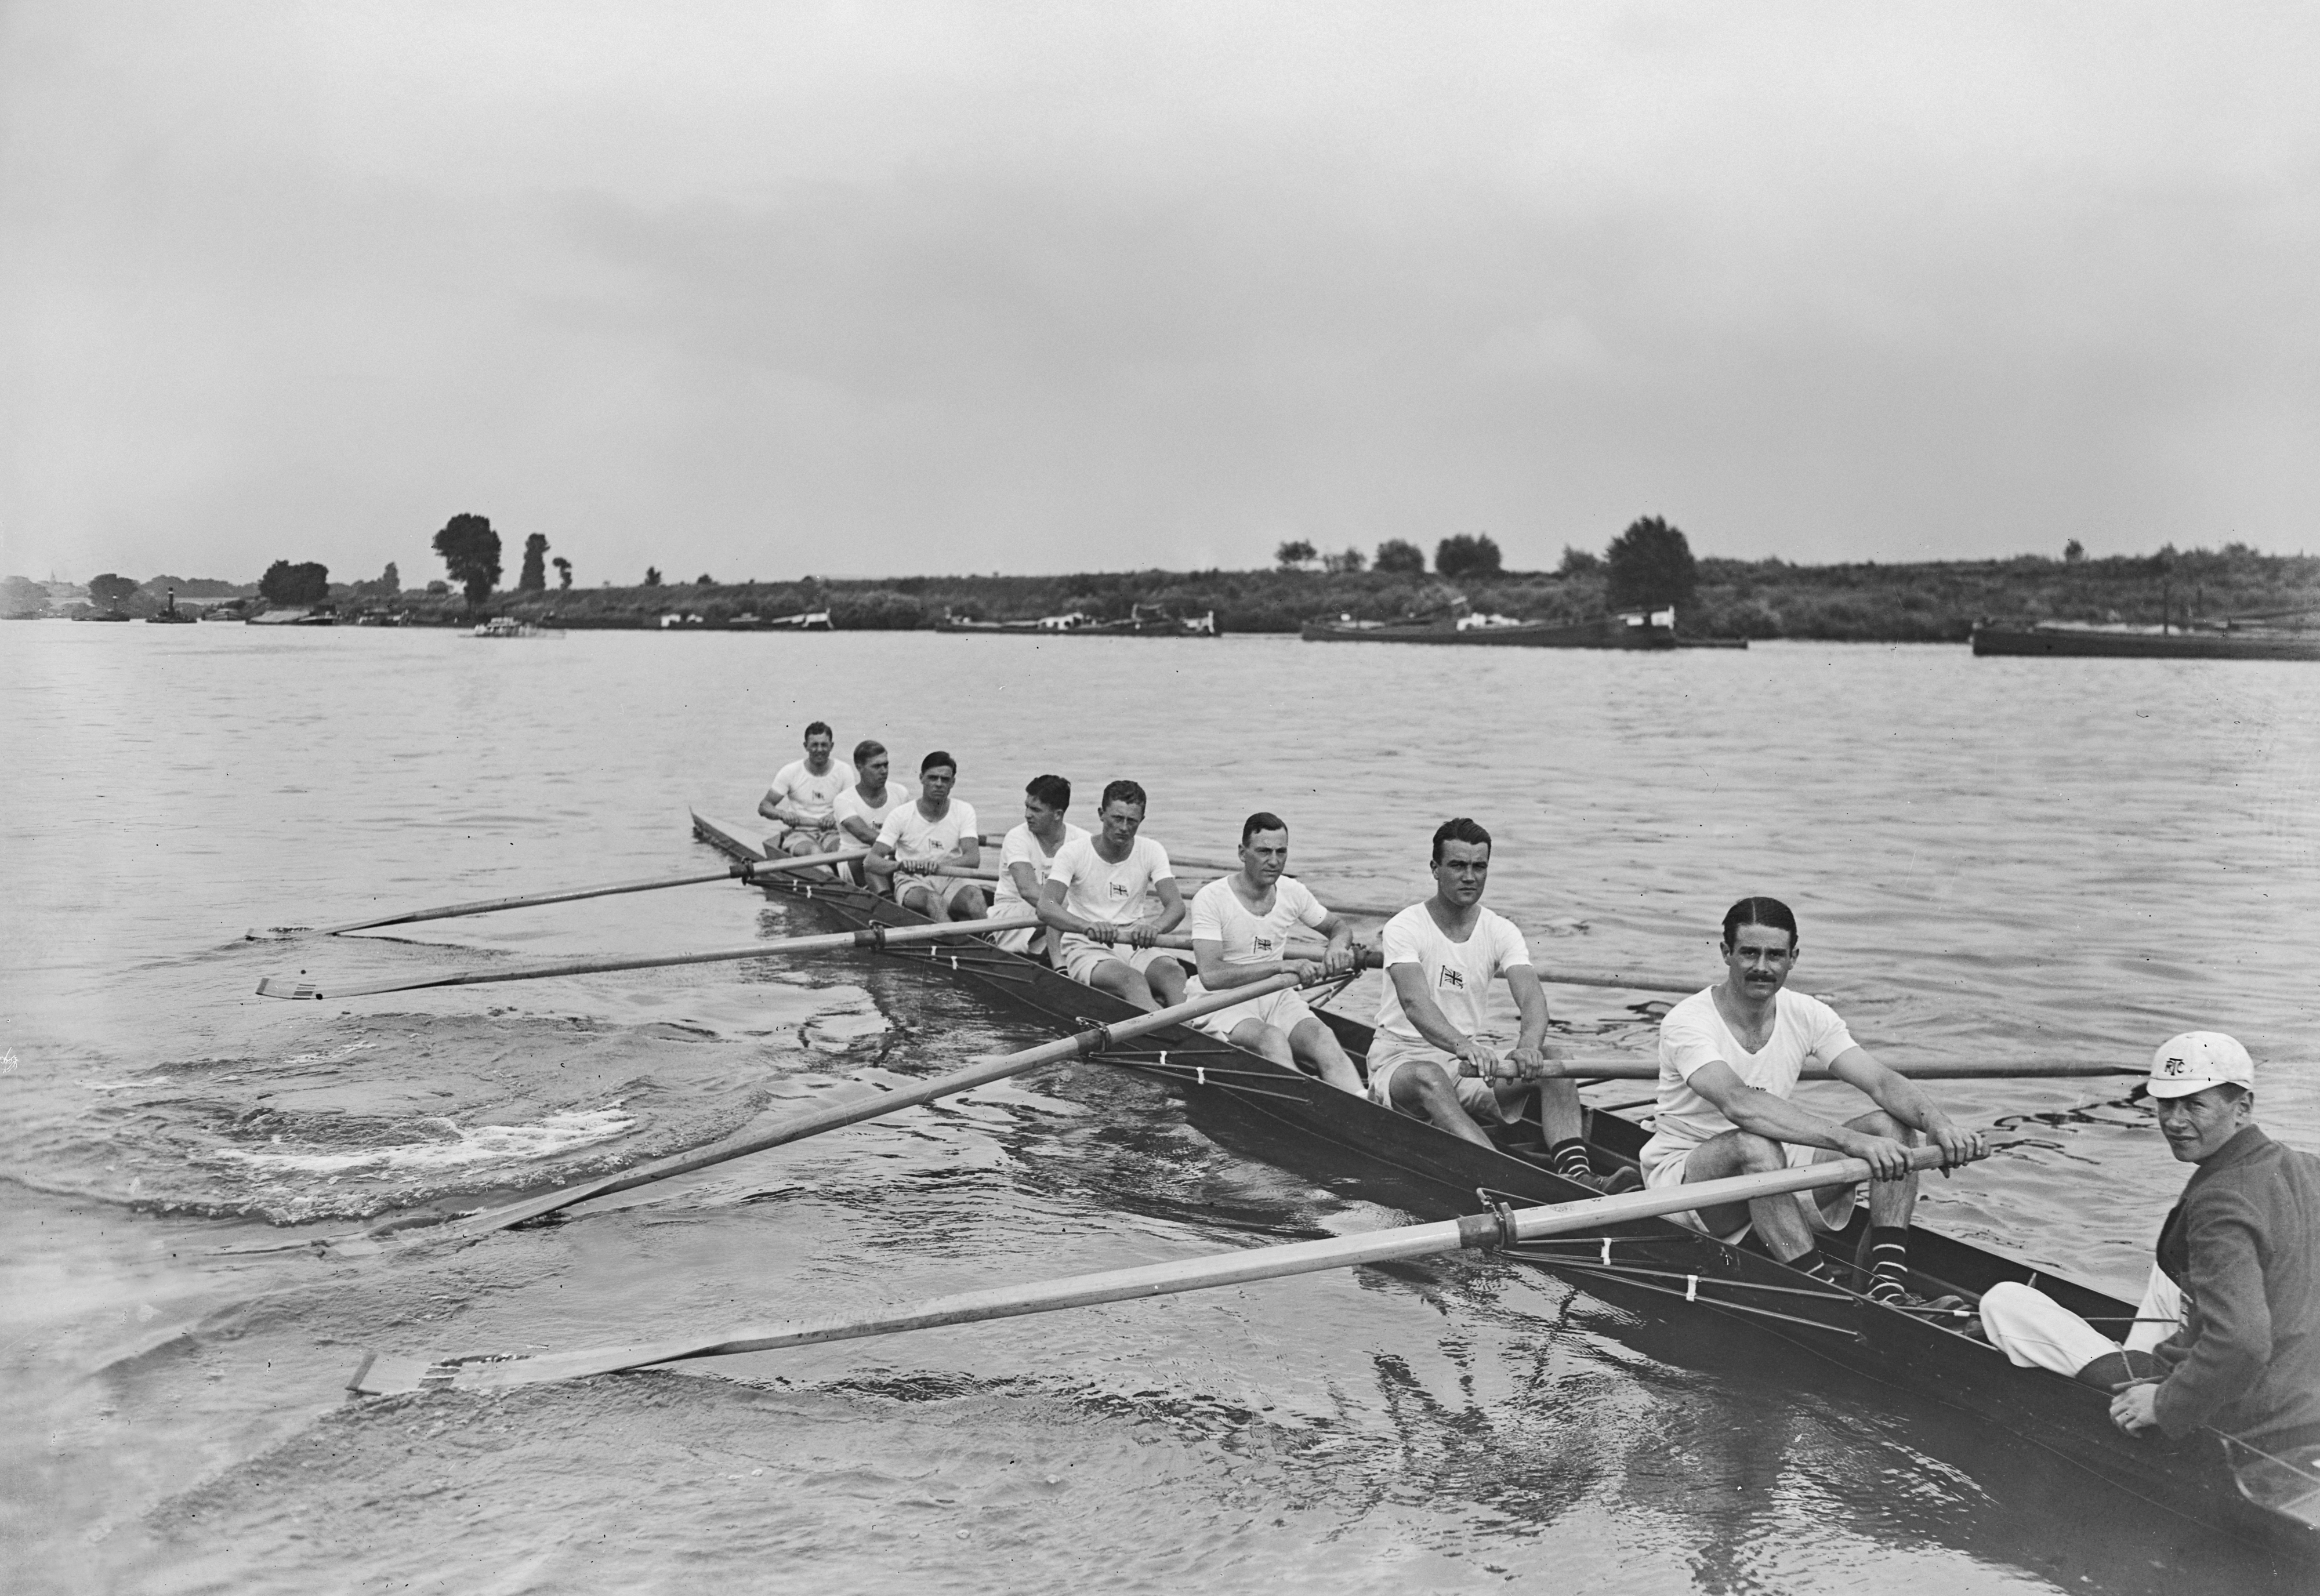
<point x="2036" y="1331"/>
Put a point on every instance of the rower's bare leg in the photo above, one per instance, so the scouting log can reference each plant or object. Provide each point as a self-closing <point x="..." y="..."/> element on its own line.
<point x="1424" y="1089"/>
<point x="1891" y="1203"/>
<point x="1315" y="1047"/>
<point x="1165" y="977"/>
<point x="1123" y="981"/>
<point x="1257" y="1037"/>
<point x="969" y="905"/>
<point x="1779" y="1224"/>
<point x="1558" y="1111"/>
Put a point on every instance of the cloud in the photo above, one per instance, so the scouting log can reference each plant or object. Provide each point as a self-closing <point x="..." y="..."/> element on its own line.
<point x="852" y="290"/>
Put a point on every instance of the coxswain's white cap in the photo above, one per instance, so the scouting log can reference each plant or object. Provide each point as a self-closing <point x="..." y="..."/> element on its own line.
<point x="2197" y="1060"/>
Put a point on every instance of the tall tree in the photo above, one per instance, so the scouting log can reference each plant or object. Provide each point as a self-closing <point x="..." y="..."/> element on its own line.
<point x="1352" y="559"/>
<point x="1650" y="566"/>
<point x="1401" y="556"/>
<point x="1293" y="555"/>
<point x="563" y="571"/>
<point x="111" y="590"/>
<point x="652" y="575"/>
<point x="535" y="565"/>
<point x="290" y="586"/>
<point x="471" y="554"/>
<point x="1464" y="555"/>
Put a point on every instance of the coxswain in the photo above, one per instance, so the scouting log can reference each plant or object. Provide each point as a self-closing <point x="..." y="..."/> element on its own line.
<point x="2228" y="1334"/>
<point x="805" y="796"/>
<point x="1112" y="887"/>
<point x="862" y="809"/>
<point x="1240" y="925"/>
<point x="1436" y="1052"/>
<point x="1730" y="1058"/>
<point x="1025" y="856"/>
<point x="938" y="830"/>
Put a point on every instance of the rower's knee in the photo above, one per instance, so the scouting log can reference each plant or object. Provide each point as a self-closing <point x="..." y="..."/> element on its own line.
<point x="1757" y="1154"/>
<point x="1877" y="1122"/>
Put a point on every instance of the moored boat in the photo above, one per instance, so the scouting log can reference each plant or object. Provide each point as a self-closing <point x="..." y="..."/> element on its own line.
<point x="1628" y="629"/>
<point x="1652" y="1267"/>
<point x="2228" y="641"/>
<point x="1142" y="620"/>
<point x="508" y="626"/>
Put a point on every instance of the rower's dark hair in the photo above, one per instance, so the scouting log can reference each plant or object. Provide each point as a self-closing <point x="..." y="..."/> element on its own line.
<point x="1760" y="911"/>
<point x="821" y="728"/>
<point x="1460" y="829"/>
<point x="1122" y="791"/>
<point x="867" y="750"/>
<point x="935" y="758"/>
<point x="1264" y="819"/>
<point x="1053" y="790"/>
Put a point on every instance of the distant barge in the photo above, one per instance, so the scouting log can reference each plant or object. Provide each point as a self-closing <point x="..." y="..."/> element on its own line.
<point x="1629" y="628"/>
<point x="2126" y="642"/>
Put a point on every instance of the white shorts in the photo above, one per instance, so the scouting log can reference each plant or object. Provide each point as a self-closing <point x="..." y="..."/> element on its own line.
<point x="1028" y="940"/>
<point x="1083" y="955"/>
<point x="808" y="839"/>
<point x="1284" y="1011"/>
<point x="930" y="894"/>
<point x="1826" y="1208"/>
<point x="1390" y="1053"/>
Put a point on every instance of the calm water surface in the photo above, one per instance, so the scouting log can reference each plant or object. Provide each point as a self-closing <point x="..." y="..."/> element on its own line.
<point x="1992" y="859"/>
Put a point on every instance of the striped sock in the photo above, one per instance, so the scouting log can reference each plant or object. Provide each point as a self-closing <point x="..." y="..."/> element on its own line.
<point x="1888" y="1263"/>
<point x="1570" y="1158"/>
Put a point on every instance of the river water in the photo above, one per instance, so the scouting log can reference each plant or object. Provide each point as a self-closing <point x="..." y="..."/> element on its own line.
<point x="1990" y="858"/>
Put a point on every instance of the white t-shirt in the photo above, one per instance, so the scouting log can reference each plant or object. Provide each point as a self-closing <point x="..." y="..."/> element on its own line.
<point x="1094" y="888"/>
<point x="1457" y="974"/>
<point x="1694" y="1035"/>
<point x="850" y="807"/>
<point x="1220" y="915"/>
<point x="918" y="840"/>
<point x="816" y="794"/>
<point x="1019" y="847"/>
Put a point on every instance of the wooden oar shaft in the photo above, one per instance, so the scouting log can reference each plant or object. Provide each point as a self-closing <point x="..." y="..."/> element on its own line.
<point x="1930" y="1069"/>
<point x="798" y="1127"/>
<point x="611" y="889"/>
<point x="876" y="936"/>
<point x="385" y="1376"/>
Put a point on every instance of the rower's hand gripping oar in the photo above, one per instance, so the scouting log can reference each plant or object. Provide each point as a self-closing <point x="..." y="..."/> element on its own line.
<point x="744" y="871"/>
<point x="382" y="1376"/>
<point x="279" y="986"/>
<point x="798" y="1127"/>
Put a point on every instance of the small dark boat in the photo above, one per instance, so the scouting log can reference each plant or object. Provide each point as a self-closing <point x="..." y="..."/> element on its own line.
<point x="171" y="614"/>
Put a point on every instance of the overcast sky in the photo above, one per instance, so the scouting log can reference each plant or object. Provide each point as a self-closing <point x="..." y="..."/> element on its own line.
<point x="764" y="290"/>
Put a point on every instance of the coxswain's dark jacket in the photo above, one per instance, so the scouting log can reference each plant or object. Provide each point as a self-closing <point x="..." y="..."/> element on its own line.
<point x="2244" y="1245"/>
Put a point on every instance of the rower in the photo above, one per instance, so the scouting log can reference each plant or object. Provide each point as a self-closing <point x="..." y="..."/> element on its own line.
<point x="1240" y="925"/>
<point x="1435" y="1055"/>
<point x="2228" y="1335"/>
<point x="862" y="809"/>
<point x="938" y="830"/>
<point x="1730" y="1057"/>
<point x="805" y="794"/>
<point x="1025" y="856"/>
<point x="1111" y="887"/>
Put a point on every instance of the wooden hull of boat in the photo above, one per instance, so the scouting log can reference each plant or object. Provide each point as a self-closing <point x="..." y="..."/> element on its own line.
<point x="1585" y="634"/>
<point x="1653" y="1267"/>
<point x="2145" y="645"/>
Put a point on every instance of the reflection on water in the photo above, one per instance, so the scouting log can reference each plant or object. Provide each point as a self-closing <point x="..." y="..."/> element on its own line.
<point x="1992" y="858"/>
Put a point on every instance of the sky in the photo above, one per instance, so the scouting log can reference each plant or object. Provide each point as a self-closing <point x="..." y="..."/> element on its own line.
<point x="764" y="290"/>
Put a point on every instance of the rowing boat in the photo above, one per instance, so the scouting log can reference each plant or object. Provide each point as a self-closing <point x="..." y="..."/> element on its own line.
<point x="1652" y="1266"/>
<point x="1630" y="629"/>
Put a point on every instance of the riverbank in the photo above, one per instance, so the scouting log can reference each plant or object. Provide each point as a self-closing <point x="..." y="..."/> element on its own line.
<point x="1932" y="602"/>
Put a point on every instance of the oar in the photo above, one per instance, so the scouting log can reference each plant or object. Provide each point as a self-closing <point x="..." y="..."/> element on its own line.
<point x="282" y="986"/>
<point x="742" y="871"/>
<point x="384" y="1376"/>
<point x="1930" y="1069"/>
<point x="798" y="1127"/>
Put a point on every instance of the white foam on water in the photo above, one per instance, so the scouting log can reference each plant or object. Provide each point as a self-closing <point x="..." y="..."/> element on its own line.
<point x="486" y="1144"/>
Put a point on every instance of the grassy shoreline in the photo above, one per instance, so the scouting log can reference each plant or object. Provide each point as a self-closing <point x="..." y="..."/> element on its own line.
<point x="1932" y="602"/>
